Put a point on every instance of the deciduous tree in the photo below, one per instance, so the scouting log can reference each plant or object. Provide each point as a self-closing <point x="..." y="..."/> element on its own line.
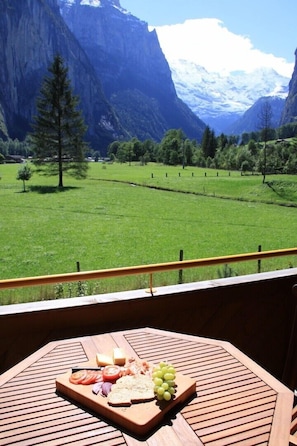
<point x="265" y="127"/>
<point x="24" y="174"/>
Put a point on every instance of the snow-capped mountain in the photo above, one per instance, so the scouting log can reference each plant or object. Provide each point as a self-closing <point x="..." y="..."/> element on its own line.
<point x="93" y="3"/>
<point x="68" y="4"/>
<point x="219" y="100"/>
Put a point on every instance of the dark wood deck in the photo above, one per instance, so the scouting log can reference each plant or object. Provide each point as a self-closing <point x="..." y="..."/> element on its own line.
<point x="237" y="402"/>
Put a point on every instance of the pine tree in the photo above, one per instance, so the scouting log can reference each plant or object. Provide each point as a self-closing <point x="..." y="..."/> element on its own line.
<point x="209" y="143"/>
<point x="58" y="130"/>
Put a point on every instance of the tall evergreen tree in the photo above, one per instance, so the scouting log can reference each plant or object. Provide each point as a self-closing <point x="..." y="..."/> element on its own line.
<point x="58" y="130"/>
<point x="209" y="143"/>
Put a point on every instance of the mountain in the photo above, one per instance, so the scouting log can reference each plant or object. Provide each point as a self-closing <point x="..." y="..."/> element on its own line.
<point x="220" y="100"/>
<point x="115" y="64"/>
<point x="32" y="32"/>
<point x="135" y="75"/>
<point x="250" y="120"/>
<point x="290" y="110"/>
<point x="117" y="68"/>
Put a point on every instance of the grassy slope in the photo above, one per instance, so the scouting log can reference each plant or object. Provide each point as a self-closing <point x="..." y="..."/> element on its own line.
<point x="105" y="224"/>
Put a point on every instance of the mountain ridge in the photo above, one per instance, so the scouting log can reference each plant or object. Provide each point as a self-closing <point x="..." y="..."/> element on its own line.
<point x="221" y="100"/>
<point x="126" y="85"/>
<point x="250" y="120"/>
<point x="128" y="59"/>
<point x="290" y="110"/>
<point x="34" y="32"/>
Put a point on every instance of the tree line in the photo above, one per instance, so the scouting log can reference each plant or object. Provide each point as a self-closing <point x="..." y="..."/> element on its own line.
<point x="243" y="152"/>
<point x="272" y="153"/>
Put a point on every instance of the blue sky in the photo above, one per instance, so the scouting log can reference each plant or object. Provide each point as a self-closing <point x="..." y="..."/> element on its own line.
<point x="270" y="25"/>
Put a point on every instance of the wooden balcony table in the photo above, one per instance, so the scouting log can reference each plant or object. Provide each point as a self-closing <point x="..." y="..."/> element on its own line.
<point x="237" y="402"/>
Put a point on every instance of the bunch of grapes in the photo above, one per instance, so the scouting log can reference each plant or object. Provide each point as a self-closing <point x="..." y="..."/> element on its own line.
<point x="163" y="377"/>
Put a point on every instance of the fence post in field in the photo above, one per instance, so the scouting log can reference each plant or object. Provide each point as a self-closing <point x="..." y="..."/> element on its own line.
<point x="77" y="267"/>
<point x="259" y="261"/>
<point x="180" y="272"/>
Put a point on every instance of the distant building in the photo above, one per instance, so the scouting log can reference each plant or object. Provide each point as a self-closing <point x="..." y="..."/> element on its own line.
<point x="14" y="158"/>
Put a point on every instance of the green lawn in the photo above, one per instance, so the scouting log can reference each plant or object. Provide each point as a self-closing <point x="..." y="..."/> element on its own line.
<point x="109" y="220"/>
<point x="280" y="189"/>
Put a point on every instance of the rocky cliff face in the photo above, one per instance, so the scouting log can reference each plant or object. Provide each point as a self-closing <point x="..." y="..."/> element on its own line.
<point x="122" y="50"/>
<point x="290" y="109"/>
<point x="134" y="72"/>
<point x="32" y="33"/>
<point x="115" y="65"/>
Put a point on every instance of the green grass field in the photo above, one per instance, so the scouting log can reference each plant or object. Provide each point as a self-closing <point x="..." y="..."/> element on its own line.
<point x="111" y="220"/>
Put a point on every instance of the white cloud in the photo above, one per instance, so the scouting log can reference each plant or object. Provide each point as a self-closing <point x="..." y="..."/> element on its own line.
<point x="207" y="42"/>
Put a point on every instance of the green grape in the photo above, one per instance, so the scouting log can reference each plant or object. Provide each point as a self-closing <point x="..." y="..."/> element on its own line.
<point x="169" y="377"/>
<point x="164" y="370"/>
<point x="163" y="377"/>
<point x="167" y="395"/>
<point x="171" y="390"/>
<point x="160" y="391"/>
<point x="158" y="382"/>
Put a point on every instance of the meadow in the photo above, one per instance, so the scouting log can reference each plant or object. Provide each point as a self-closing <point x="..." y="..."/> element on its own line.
<point x="124" y="215"/>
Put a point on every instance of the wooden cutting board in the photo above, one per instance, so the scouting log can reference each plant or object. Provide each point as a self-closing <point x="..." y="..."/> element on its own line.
<point x="138" y="418"/>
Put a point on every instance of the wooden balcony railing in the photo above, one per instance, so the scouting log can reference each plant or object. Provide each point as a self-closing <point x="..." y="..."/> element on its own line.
<point x="142" y="269"/>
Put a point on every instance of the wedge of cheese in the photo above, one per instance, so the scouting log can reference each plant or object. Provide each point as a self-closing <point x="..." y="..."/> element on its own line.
<point x="103" y="360"/>
<point x="119" y="357"/>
